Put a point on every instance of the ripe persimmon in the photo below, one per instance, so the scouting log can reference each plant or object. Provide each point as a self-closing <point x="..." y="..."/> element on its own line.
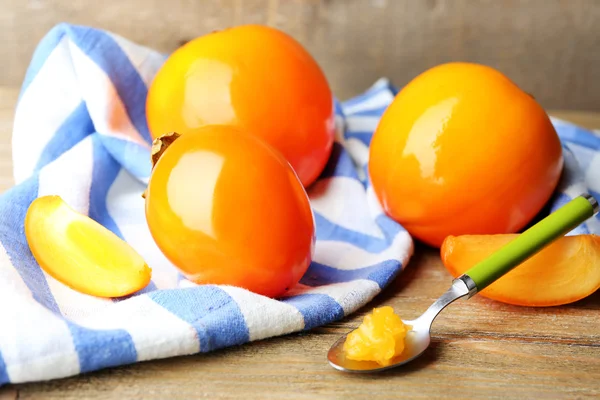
<point x="226" y="208"/>
<point x="254" y="77"/>
<point x="463" y="150"/>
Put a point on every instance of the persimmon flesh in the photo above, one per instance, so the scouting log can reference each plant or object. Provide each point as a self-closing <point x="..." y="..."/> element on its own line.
<point x="566" y="271"/>
<point x="81" y="253"/>
<point x="379" y="338"/>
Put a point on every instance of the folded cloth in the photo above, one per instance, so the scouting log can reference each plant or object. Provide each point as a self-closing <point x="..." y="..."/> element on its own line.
<point x="80" y="132"/>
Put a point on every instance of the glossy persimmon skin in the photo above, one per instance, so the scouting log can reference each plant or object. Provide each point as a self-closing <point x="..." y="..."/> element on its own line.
<point x="254" y="77"/>
<point x="226" y="208"/>
<point x="463" y="150"/>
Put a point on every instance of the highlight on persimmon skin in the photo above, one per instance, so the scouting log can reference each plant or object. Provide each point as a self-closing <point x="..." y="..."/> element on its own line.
<point x="564" y="272"/>
<point x="227" y="208"/>
<point x="82" y="254"/>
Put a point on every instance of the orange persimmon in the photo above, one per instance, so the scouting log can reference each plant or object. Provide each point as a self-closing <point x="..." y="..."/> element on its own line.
<point x="566" y="271"/>
<point x="463" y="150"/>
<point x="81" y="253"/>
<point x="226" y="208"/>
<point x="254" y="77"/>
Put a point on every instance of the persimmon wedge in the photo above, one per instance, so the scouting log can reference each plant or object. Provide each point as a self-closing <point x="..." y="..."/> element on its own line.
<point x="81" y="253"/>
<point x="564" y="272"/>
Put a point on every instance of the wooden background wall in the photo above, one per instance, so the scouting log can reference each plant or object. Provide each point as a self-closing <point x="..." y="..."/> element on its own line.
<point x="551" y="48"/>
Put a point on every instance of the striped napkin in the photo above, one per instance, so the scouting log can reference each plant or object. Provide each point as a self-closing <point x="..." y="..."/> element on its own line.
<point x="80" y="132"/>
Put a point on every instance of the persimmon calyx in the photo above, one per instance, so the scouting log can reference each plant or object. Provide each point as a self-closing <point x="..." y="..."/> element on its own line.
<point x="159" y="145"/>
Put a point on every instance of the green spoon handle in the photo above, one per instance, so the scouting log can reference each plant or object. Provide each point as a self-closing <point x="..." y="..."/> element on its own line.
<point x="534" y="239"/>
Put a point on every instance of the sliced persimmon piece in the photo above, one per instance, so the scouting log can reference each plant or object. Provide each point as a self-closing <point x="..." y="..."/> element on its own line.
<point x="82" y="254"/>
<point x="566" y="271"/>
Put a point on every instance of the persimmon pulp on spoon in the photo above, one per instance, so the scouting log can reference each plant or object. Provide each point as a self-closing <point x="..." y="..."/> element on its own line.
<point x="82" y="254"/>
<point x="379" y="338"/>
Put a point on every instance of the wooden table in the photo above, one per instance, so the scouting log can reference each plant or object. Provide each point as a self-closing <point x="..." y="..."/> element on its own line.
<point x="481" y="348"/>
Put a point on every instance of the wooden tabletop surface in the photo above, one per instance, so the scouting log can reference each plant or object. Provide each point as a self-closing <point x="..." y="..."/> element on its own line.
<point x="480" y="349"/>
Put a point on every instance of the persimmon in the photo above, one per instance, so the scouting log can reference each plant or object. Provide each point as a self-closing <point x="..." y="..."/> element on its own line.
<point x="226" y="208"/>
<point x="566" y="271"/>
<point x="255" y="77"/>
<point x="81" y="253"/>
<point x="463" y="150"/>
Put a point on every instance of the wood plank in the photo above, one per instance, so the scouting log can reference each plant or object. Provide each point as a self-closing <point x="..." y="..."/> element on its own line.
<point x="584" y="119"/>
<point x="549" y="47"/>
<point x="8" y="393"/>
<point x="8" y="101"/>
<point x="457" y="368"/>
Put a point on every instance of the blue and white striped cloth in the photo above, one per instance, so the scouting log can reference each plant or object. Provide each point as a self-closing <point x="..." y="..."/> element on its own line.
<point x="80" y="132"/>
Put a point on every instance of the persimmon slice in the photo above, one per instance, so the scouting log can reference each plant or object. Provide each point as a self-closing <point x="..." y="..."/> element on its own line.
<point x="81" y="253"/>
<point x="566" y="271"/>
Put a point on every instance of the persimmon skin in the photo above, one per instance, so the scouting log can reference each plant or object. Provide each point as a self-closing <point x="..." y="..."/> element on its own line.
<point x="226" y="208"/>
<point x="463" y="150"/>
<point x="566" y="271"/>
<point x="254" y="77"/>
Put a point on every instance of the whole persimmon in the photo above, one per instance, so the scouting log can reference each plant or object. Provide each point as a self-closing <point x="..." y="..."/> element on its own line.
<point x="463" y="150"/>
<point x="226" y="208"/>
<point x="254" y="77"/>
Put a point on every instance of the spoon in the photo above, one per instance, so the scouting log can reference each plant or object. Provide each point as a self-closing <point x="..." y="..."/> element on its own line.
<point x="528" y="243"/>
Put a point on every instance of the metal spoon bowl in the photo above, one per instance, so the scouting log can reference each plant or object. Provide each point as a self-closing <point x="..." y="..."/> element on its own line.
<point x="528" y="243"/>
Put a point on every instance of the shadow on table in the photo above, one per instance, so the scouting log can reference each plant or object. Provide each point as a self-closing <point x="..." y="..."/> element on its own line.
<point x="408" y="275"/>
<point x="592" y="302"/>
